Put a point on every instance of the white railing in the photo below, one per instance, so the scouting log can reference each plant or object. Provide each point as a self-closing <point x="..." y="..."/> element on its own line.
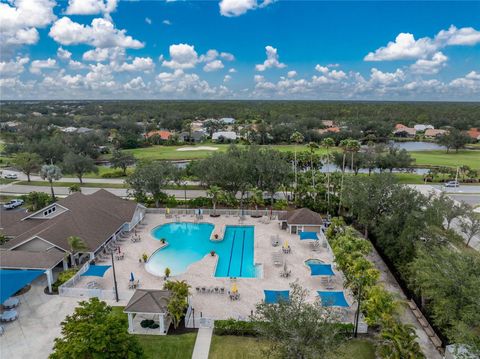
<point x="222" y="212"/>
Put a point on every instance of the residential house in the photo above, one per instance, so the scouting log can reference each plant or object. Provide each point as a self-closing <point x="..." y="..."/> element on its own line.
<point x="224" y="135"/>
<point x="193" y="136"/>
<point x="322" y="131"/>
<point x="433" y="133"/>
<point x="328" y="123"/>
<point x="422" y="128"/>
<point x="163" y="134"/>
<point x="227" y="120"/>
<point x="474" y="133"/>
<point x="404" y="131"/>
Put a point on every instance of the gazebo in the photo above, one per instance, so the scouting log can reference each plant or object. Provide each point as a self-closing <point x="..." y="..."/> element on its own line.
<point x="301" y="220"/>
<point x="148" y="304"/>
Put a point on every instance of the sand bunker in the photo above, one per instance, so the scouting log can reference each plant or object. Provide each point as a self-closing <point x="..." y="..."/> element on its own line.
<point x="198" y="148"/>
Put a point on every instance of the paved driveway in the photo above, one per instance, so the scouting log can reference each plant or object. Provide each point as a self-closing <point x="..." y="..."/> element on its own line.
<point x="31" y="336"/>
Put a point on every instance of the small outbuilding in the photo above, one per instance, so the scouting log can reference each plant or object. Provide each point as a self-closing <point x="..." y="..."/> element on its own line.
<point x="148" y="305"/>
<point x="301" y="220"/>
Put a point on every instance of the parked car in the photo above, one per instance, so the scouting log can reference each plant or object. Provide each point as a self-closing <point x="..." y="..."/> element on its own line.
<point x="10" y="176"/>
<point x="452" y="184"/>
<point x="14" y="203"/>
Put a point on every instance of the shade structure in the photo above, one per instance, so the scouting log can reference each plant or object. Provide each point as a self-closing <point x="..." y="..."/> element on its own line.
<point x="11" y="281"/>
<point x="308" y="235"/>
<point x="333" y="299"/>
<point x="95" y="271"/>
<point x="274" y="296"/>
<point x="321" y="269"/>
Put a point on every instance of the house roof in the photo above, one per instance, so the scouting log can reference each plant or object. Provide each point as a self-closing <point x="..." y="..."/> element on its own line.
<point x="93" y="218"/>
<point x="164" y="135"/>
<point x="225" y="134"/>
<point x="430" y="132"/>
<point x="409" y="130"/>
<point x="399" y="126"/>
<point x="302" y="216"/>
<point x="474" y="133"/>
<point x="148" y="301"/>
<point x="30" y="260"/>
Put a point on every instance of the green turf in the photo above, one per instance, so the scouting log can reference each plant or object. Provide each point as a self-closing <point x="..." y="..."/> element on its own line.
<point x="233" y="347"/>
<point x="168" y="346"/>
<point x="356" y="348"/>
<point x="171" y="153"/>
<point x="452" y="159"/>
<point x="251" y="348"/>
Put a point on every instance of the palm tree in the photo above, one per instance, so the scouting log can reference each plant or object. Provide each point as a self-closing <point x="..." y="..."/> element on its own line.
<point x="51" y="173"/>
<point x="399" y="341"/>
<point x="296" y="138"/>
<point x="328" y="143"/>
<point x="76" y="245"/>
<point x="344" y="144"/>
<point x="354" y="147"/>
<point x="214" y="192"/>
<point x="312" y="146"/>
<point x="256" y="197"/>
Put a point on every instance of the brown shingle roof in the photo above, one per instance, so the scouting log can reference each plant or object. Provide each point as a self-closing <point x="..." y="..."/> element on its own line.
<point x="302" y="216"/>
<point x="148" y="301"/>
<point x="93" y="218"/>
<point x="30" y="260"/>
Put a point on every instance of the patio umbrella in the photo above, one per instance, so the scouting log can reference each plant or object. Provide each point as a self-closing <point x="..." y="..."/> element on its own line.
<point x="132" y="278"/>
<point x="285" y="266"/>
<point x="285" y="244"/>
<point x="234" y="288"/>
<point x="168" y="210"/>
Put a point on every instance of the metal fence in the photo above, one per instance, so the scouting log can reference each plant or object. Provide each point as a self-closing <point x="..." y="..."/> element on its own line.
<point x="222" y="212"/>
<point x="68" y="289"/>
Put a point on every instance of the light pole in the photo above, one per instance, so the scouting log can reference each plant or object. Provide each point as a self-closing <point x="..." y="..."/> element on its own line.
<point x="114" y="278"/>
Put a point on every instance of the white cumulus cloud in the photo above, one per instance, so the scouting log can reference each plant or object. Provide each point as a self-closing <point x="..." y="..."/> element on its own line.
<point x="91" y="7"/>
<point x="13" y="67"/>
<point x="271" y="61"/>
<point x="232" y="8"/>
<point x="101" y="33"/>
<point x="37" y="66"/>
<point x="430" y="66"/>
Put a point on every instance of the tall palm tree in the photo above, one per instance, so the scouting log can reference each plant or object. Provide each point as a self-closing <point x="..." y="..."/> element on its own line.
<point x="312" y="146"/>
<point x="76" y="245"/>
<point x="328" y="143"/>
<point x="296" y="138"/>
<point x="354" y="147"/>
<point x="344" y="144"/>
<point x="51" y="173"/>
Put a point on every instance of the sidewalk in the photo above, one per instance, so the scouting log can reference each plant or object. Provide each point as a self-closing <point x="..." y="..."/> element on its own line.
<point x="202" y="344"/>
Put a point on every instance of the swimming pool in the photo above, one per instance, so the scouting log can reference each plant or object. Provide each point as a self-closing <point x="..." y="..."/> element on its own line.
<point x="190" y="242"/>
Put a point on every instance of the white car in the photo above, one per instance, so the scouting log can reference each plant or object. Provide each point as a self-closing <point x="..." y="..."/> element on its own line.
<point x="452" y="184"/>
<point x="14" y="203"/>
<point x="10" y="176"/>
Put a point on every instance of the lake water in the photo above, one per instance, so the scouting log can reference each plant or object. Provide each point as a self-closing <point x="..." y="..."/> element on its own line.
<point x="417" y="146"/>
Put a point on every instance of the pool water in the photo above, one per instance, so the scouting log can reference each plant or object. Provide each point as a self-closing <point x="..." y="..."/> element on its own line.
<point x="190" y="242"/>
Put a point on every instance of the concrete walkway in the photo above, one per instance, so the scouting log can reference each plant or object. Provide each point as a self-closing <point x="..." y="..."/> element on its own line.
<point x="202" y="344"/>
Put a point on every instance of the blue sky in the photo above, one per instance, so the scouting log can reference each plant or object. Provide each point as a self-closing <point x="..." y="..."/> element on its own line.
<point x="240" y="49"/>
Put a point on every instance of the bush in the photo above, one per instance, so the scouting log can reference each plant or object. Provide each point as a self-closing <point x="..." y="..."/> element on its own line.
<point x="147" y="323"/>
<point x="113" y="174"/>
<point x="200" y="202"/>
<point x="280" y="205"/>
<point x="63" y="277"/>
<point x="235" y="327"/>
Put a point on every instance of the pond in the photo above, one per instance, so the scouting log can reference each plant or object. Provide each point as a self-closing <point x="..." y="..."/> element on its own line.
<point x="417" y="146"/>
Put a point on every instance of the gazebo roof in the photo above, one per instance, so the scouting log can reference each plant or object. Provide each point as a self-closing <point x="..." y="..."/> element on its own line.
<point x="148" y="301"/>
<point x="302" y="216"/>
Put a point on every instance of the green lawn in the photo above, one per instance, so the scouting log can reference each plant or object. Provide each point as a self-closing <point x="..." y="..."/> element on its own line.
<point x="245" y="347"/>
<point x="168" y="346"/>
<point x="172" y="153"/>
<point x="452" y="159"/>
<point x="233" y="347"/>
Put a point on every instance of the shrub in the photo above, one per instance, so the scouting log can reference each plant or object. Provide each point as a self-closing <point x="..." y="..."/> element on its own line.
<point x="280" y="205"/>
<point x="63" y="277"/>
<point x="113" y="174"/>
<point x="200" y="202"/>
<point x="236" y="327"/>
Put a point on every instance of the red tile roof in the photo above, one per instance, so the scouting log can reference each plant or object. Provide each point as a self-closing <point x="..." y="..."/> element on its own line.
<point x="164" y="135"/>
<point x="474" y="133"/>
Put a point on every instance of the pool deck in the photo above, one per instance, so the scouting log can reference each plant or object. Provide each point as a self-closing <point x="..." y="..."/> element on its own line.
<point x="201" y="273"/>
